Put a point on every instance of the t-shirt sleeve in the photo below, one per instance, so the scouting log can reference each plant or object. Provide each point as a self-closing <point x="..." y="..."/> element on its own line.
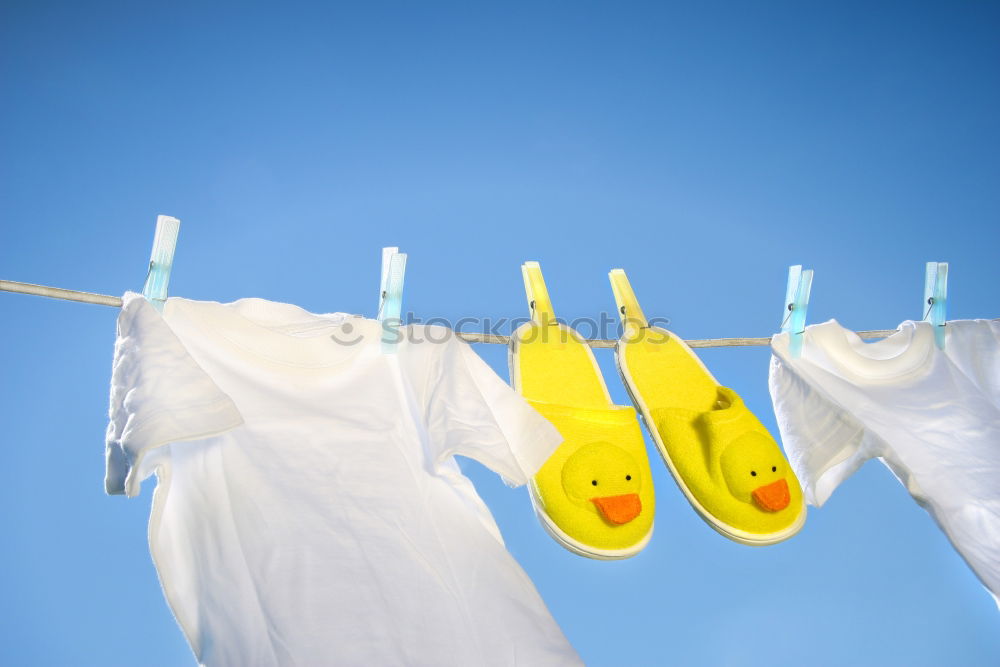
<point x="824" y="443"/>
<point x="159" y="395"/>
<point x="974" y="347"/>
<point x="472" y="412"/>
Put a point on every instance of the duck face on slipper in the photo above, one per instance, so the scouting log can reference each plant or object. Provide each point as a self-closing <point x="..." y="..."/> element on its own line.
<point x="756" y="472"/>
<point x="763" y="493"/>
<point x="734" y="470"/>
<point x="603" y="478"/>
<point x="596" y="491"/>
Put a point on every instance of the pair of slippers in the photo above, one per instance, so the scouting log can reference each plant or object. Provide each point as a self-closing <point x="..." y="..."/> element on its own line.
<point x="595" y="494"/>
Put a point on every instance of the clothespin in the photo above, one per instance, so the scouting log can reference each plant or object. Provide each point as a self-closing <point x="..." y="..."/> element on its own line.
<point x="538" y="295"/>
<point x="936" y="298"/>
<point x="391" y="297"/>
<point x="633" y="320"/>
<point x="796" y="304"/>
<point x="161" y="260"/>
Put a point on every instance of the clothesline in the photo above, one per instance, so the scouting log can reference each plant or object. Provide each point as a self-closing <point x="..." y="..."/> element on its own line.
<point x="496" y="339"/>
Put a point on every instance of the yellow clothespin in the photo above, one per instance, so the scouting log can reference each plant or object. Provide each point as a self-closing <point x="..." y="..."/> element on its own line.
<point x="538" y="295"/>
<point x="632" y="317"/>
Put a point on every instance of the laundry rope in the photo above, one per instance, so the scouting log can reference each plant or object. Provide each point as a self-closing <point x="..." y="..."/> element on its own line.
<point x="495" y="339"/>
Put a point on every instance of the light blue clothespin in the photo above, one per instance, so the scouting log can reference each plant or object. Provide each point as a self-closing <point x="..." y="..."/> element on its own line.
<point x="936" y="298"/>
<point x="796" y="304"/>
<point x="161" y="260"/>
<point x="391" y="297"/>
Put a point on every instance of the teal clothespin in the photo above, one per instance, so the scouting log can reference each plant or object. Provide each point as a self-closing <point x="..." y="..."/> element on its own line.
<point x="936" y="298"/>
<point x="161" y="260"/>
<point x="391" y="297"/>
<point x="796" y="304"/>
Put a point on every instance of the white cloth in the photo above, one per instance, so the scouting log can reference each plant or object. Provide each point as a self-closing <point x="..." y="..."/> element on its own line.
<point x="931" y="415"/>
<point x="308" y="509"/>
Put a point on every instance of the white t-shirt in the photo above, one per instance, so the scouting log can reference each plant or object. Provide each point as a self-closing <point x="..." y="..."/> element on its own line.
<point x="931" y="415"/>
<point x="309" y="510"/>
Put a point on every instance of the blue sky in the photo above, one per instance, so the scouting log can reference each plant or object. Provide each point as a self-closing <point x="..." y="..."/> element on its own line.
<point x="704" y="147"/>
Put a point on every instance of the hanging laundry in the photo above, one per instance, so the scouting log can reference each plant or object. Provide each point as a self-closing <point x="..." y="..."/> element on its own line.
<point x="931" y="415"/>
<point x="723" y="459"/>
<point x="595" y="496"/>
<point x="308" y="509"/>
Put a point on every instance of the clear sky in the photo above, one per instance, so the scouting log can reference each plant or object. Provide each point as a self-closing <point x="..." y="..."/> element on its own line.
<point x="704" y="147"/>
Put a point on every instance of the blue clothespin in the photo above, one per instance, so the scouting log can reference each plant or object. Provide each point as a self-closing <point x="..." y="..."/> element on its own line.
<point x="391" y="297"/>
<point x="936" y="298"/>
<point x="796" y="304"/>
<point x="161" y="260"/>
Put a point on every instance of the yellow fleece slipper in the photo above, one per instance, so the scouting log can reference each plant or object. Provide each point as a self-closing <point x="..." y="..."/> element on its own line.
<point x="721" y="456"/>
<point x="595" y="493"/>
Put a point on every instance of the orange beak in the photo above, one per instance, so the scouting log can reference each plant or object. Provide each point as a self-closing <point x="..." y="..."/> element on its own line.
<point x="773" y="497"/>
<point x="619" y="509"/>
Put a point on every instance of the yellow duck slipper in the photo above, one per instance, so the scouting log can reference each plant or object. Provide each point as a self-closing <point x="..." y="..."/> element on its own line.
<point x="595" y="493"/>
<point x="721" y="456"/>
